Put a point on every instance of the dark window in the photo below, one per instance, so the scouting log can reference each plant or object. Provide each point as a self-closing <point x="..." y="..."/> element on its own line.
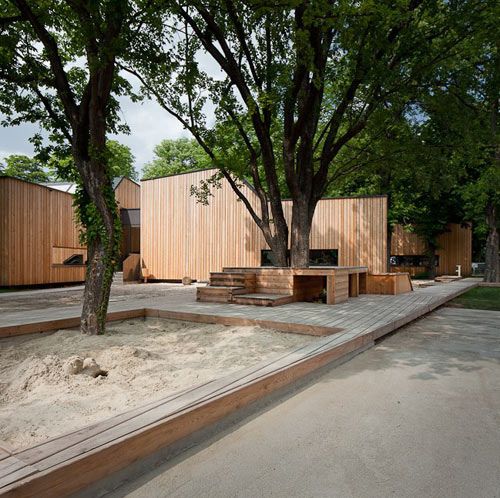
<point x="422" y="261"/>
<point x="317" y="257"/>
<point x="74" y="259"/>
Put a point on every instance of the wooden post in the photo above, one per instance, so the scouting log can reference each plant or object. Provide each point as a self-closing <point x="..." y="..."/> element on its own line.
<point x="354" y="285"/>
<point x="337" y="288"/>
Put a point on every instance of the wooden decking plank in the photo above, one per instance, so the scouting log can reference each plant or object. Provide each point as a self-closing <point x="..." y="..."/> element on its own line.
<point x="16" y="475"/>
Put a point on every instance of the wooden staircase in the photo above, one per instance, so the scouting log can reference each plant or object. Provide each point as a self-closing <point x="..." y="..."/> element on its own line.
<point x="238" y="288"/>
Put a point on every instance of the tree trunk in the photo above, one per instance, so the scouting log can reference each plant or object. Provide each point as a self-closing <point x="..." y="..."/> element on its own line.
<point x="302" y="215"/>
<point x="97" y="289"/>
<point x="102" y="246"/>
<point x="388" y="250"/>
<point x="431" y="254"/>
<point x="280" y="251"/>
<point x="492" y="271"/>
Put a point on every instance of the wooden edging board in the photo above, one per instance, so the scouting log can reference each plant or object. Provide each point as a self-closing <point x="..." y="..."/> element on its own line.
<point x="296" y="328"/>
<point x="63" y="323"/>
<point x="71" y="322"/>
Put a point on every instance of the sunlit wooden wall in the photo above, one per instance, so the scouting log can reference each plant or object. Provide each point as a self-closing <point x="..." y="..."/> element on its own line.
<point x="180" y="237"/>
<point x="454" y="248"/>
<point x="128" y="194"/>
<point x="37" y="232"/>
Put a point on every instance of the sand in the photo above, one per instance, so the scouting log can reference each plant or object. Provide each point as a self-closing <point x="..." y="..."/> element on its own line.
<point x="141" y="360"/>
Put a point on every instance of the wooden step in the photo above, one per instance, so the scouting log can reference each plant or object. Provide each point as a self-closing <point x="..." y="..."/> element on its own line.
<point x="256" y="299"/>
<point x="218" y="294"/>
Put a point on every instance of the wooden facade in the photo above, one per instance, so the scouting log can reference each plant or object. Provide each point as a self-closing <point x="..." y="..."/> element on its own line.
<point x="37" y="234"/>
<point x="128" y="196"/>
<point x="128" y="193"/>
<point x="183" y="238"/>
<point x="454" y="248"/>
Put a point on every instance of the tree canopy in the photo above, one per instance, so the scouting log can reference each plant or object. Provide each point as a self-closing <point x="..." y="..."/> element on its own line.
<point x="176" y="156"/>
<point x="25" y="168"/>
<point x="299" y="82"/>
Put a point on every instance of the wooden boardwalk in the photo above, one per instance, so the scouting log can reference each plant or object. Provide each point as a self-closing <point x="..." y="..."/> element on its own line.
<point x="71" y="462"/>
<point x="362" y="314"/>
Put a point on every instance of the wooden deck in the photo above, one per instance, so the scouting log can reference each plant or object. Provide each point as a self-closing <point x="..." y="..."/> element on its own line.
<point x="72" y="462"/>
<point x="289" y="284"/>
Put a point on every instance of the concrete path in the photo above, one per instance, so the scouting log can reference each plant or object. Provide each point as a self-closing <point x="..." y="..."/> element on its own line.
<point x="418" y="415"/>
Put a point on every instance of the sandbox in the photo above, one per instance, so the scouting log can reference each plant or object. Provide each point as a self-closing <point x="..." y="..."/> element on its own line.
<point x="142" y="360"/>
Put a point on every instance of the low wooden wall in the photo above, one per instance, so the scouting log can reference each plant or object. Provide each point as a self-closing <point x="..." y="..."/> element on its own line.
<point x="388" y="283"/>
<point x="132" y="268"/>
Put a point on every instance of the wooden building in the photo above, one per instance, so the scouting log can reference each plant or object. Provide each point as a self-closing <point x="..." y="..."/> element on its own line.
<point x="39" y="238"/>
<point x="128" y="198"/>
<point x="409" y="251"/>
<point x="127" y="193"/>
<point x="183" y="238"/>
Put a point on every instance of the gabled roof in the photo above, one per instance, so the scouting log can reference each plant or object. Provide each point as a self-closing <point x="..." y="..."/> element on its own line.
<point x="67" y="187"/>
<point x="118" y="179"/>
<point x="70" y="188"/>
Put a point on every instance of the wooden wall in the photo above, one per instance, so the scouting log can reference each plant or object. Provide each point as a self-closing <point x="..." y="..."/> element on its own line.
<point x="36" y="228"/>
<point x="356" y="226"/>
<point x="180" y="237"/>
<point x="128" y="194"/>
<point x="455" y="248"/>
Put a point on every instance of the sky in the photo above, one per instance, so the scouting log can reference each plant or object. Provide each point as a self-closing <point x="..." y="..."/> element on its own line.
<point x="149" y="125"/>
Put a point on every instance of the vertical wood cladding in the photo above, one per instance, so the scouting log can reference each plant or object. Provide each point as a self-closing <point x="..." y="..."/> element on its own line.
<point x="128" y="194"/>
<point x="181" y="237"/>
<point x="37" y="223"/>
<point x="454" y="248"/>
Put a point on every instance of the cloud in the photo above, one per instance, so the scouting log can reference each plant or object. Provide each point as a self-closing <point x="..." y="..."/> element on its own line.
<point x="149" y="124"/>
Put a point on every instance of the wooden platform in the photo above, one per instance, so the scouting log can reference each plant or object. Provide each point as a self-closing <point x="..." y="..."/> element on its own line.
<point x="69" y="463"/>
<point x="291" y="284"/>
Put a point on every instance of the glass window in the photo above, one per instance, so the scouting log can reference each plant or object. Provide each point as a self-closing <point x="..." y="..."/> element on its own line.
<point x="317" y="257"/>
<point x="422" y="261"/>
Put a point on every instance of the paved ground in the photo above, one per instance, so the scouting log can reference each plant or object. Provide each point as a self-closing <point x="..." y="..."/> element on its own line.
<point x="356" y="316"/>
<point x="416" y="416"/>
<point x="65" y="297"/>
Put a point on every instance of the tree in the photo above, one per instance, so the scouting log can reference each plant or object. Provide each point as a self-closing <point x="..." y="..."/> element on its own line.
<point x="25" y="168"/>
<point x="176" y="156"/>
<point x="411" y="162"/>
<point x="58" y="68"/>
<point x="300" y="81"/>
<point x="120" y="162"/>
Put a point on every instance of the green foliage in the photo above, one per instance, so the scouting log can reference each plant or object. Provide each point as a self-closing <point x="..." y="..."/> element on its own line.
<point x="118" y="157"/>
<point x="25" y="168"/>
<point x="480" y="298"/>
<point x="120" y="160"/>
<point x="176" y="156"/>
<point x="303" y="90"/>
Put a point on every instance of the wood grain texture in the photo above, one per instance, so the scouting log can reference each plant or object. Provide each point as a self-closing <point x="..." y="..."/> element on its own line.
<point x="128" y="194"/>
<point x="388" y="283"/>
<point x="454" y="248"/>
<point x="180" y="237"/>
<point x="37" y="225"/>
